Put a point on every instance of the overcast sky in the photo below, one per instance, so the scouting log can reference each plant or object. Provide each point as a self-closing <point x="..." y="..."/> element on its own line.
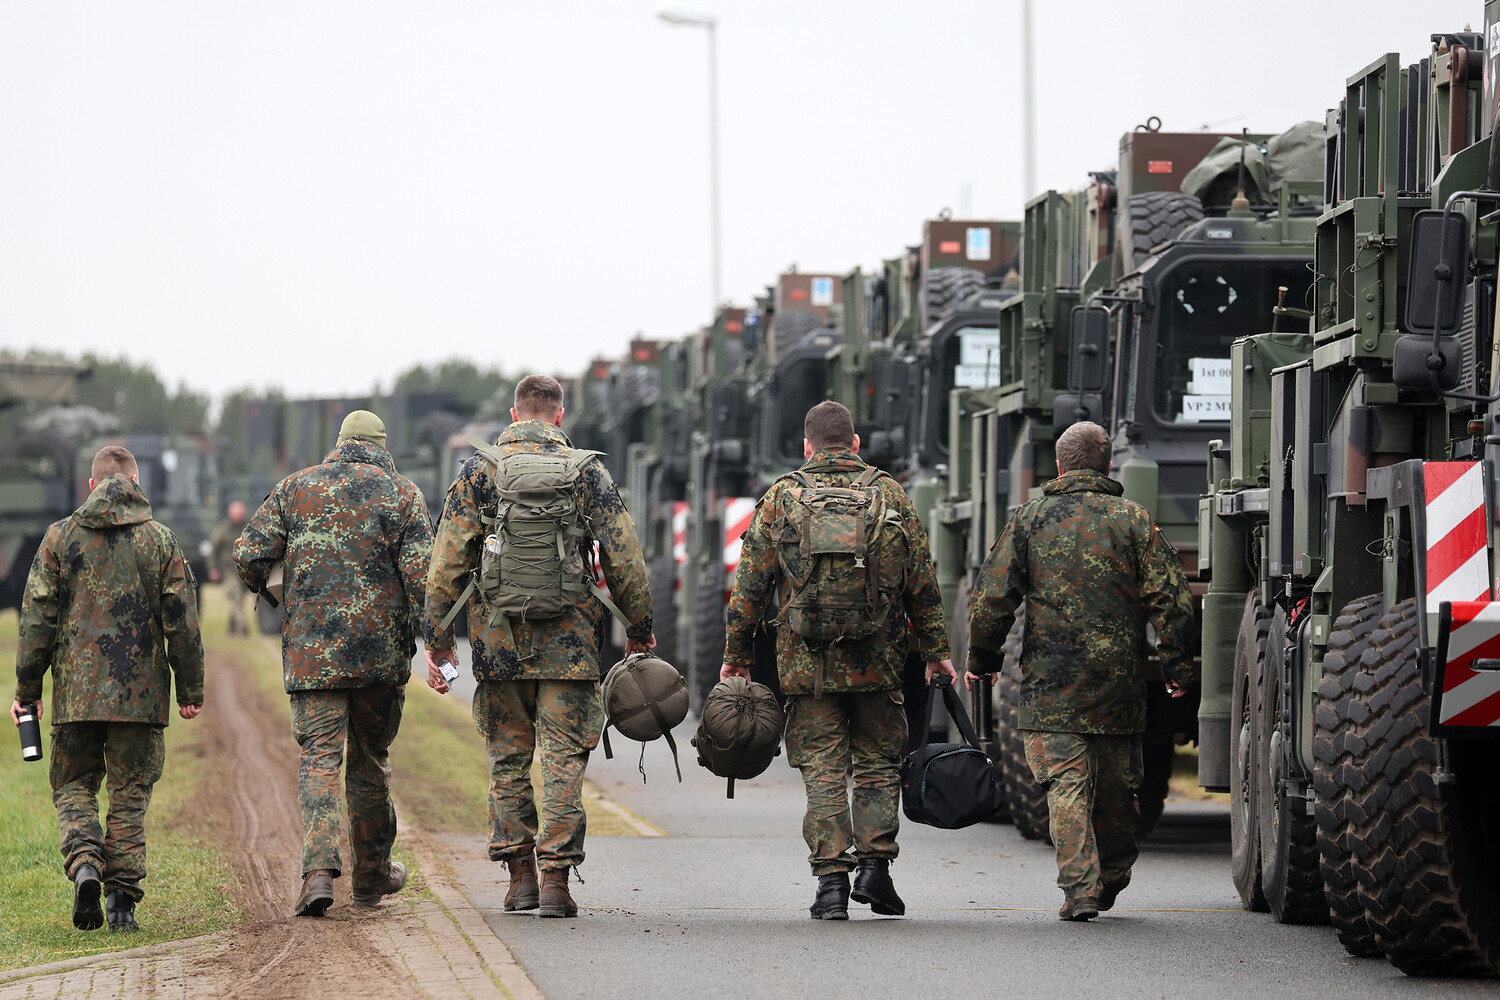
<point x="317" y="194"/>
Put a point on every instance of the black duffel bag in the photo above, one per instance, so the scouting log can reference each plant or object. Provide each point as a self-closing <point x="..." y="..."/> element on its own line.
<point x="949" y="785"/>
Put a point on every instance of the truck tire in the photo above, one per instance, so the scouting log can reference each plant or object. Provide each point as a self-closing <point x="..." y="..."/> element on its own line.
<point x="789" y="327"/>
<point x="1244" y="831"/>
<point x="663" y="573"/>
<point x="1026" y="796"/>
<point x="1339" y="731"/>
<point x="1425" y="869"/>
<point x="1290" y="874"/>
<point x="944" y="290"/>
<point x="708" y="633"/>
<point x="1155" y="218"/>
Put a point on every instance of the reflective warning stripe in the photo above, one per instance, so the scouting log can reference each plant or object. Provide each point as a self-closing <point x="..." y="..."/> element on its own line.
<point x="679" y="532"/>
<point x="737" y="515"/>
<point x="1457" y="546"/>
<point x="1471" y="697"/>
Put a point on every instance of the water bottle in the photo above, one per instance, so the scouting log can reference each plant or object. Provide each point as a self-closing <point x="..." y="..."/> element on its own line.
<point x="31" y="733"/>
<point x="492" y="544"/>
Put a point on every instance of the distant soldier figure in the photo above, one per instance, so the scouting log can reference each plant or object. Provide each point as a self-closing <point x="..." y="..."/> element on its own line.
<point x="354" y="538"/>
<point x="538" y="679"/>
<point x="221" y="565"/>
<point x="845" y="714"/>
<point x="110" y="607"/>
<point x="1094" y="571"/>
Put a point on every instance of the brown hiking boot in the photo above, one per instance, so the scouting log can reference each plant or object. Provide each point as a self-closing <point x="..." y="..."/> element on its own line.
<point x="523" y="893"/>
<point x="317" y="893"/>
<point x="1081" y="908"/>
<point x="394" y="883"/>
<point x="555" y="900"/>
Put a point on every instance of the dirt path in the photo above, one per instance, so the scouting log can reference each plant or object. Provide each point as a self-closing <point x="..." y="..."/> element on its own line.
<point x="409" y="946"/>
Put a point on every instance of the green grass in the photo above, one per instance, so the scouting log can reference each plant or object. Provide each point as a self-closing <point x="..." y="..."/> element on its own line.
<point x="186" y="892"/>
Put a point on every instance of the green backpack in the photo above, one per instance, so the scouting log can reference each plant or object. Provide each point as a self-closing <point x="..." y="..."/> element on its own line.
<point x="534" y="564"/>
<point x="842" y="555"/>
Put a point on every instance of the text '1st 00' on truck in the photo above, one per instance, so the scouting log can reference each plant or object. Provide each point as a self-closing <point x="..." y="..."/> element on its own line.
<point x="1351" y="636"/>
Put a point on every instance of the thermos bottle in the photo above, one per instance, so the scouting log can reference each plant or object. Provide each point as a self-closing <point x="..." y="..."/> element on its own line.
<point x="31" y="734"/>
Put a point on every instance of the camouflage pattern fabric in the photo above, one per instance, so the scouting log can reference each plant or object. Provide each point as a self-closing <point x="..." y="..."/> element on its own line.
<point x="873" y="664"/>
<point x="356" y="539"/>
<point x="1091" y="796"/>
<point x="110" y="607"/>
<point x="562" y="648"/>
<point x="831" y="739"/>
<point x="127" y="756"/>
<point x="1094" y="570"/>
<point x="323" y="723"/>
<point x="558" y="722"/>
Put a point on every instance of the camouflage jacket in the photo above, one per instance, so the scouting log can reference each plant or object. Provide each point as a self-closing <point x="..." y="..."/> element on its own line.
<point x="1094" y="571"/>
<point x="872" y="664"/>
<point x="355" y="538"/>
<point x="110" y="605"/>
<point x="562" y="648"/>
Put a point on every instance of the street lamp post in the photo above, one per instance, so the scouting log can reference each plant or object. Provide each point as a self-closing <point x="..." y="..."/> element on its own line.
<point x="684" y="16"/>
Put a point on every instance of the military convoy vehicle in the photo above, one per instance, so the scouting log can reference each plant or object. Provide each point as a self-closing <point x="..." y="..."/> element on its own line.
<point x="1350" y="630"/>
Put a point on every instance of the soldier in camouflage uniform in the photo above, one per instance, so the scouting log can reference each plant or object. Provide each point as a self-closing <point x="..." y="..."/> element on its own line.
<point x="110" y="608"/>
<point x="845" y="713"/>
<point x="221" y="565"/>
<point x="1094" y="571"/>
<point x="355" y="539"/>
<point x="539" y="697"/>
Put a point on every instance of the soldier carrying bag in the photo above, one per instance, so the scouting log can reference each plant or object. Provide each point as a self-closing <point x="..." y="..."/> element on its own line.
<point x="950" y="785"/>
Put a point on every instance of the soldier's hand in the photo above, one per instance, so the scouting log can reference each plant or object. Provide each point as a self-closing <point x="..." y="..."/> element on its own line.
<point x="435" y="678"/>
<point x="189" y="711"/>
<point x="1174" y="689"/>
<point x="640" y="645"/>
<point x="15" y="711"/>
<point x="729" y="670"/>
<point x="941" y="668"/>
<point x="971" y="678"/>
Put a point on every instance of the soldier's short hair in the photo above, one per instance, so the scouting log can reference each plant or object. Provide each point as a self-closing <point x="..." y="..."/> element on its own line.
<point x="1084" y="445"/>
<point x="110" y="459"/>
<point x="829" y="425"/>
<point x="538" y="397"/>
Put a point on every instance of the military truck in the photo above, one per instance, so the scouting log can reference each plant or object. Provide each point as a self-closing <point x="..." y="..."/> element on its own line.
<point x="1350" y="628"/>
<point x="36" y="466"/>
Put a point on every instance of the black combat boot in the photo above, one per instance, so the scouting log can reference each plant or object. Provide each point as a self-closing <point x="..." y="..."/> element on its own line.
<point x="317" y="893"/>
<point x="1110" y="891"/>
<point x="832" y="901"/>
<point x="87" y="915"/>
<point x="119" y="909"/>
<point x="873" y="886"/>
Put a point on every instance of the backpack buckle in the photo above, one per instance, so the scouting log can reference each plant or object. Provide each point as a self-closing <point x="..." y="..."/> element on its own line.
<point x="859" y="562"/>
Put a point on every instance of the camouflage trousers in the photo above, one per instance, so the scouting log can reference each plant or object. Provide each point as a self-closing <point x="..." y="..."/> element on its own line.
<point x="1091" y="795"/>
<point x="128" y="757"/>
<point x="237" y="598"/>
<point x="833" y="739"/>
<point x="558" y="723"/>
<point x="323" y="723"/>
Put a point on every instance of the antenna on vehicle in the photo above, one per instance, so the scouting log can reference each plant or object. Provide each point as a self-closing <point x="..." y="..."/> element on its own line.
<point x="1240" y="202"/>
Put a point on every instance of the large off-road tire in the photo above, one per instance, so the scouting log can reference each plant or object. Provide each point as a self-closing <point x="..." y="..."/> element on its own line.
<point x="944" y="290"/>
<point x="789" y="327"/>
<point x="708" y="633"/>
<point x="1026" y="796"/>
<point x="1289" y="869"/>
<point x="1422" y="849"/>
<point x="1340" y="729"/>
<point x="663" y="574"/>
<point x="1155" y="218"/>
<point x="1244" y="722"/>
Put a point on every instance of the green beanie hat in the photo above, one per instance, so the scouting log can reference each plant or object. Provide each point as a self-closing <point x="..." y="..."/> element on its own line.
<point x="363" y="424"/>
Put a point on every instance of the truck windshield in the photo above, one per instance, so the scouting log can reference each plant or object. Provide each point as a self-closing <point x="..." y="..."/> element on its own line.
<point x="1204" y="306"/>
<point x="970" y="360"/>
<point x="800" y="386"/>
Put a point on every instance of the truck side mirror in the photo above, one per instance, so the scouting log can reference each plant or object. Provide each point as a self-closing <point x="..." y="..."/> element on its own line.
<point x="1411" y="368"/>
<point x="893" y="392"/>
<point x="1438" y="272"/>
<point x="1088" y="350"/>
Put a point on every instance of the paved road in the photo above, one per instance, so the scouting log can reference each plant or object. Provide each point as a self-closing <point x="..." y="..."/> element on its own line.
<point x="717" y="907"/>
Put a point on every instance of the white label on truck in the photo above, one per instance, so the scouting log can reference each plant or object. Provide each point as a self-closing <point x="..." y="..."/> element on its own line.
<point x="822" y="291"/>
<point x="978" y="243"/>
<point x="978" y="359"/>
<point x="1199" y="408"/>
<point x="1211" y="376"/>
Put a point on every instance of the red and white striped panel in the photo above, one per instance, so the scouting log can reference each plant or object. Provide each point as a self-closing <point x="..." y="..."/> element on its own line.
<point x="1458" y="558"/>
<point x="737" y="515"/>
<point x="679" y="532"/>
<point x="1471" y="697"/>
